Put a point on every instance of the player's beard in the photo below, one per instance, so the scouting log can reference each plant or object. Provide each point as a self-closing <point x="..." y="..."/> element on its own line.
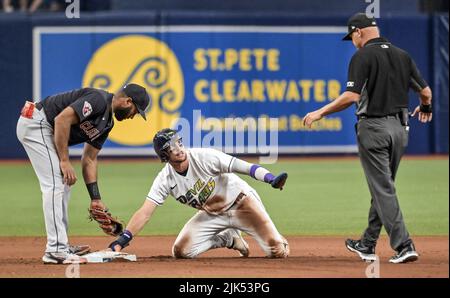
<point x="122" y="113"/>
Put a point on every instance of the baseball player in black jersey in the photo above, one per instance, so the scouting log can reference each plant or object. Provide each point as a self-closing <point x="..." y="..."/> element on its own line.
<point x="379" y="78"/>
<point x="47" y="128"/>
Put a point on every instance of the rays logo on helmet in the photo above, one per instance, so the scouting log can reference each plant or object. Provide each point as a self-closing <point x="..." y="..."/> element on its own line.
<point x="87" y="109"/>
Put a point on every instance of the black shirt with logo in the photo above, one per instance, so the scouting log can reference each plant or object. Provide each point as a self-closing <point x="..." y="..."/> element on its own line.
<point x="382" y="74"/>
<point x="93" y="107"/>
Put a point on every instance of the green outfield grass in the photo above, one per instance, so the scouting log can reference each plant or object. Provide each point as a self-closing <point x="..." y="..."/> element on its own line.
<point x="320" y="198"/>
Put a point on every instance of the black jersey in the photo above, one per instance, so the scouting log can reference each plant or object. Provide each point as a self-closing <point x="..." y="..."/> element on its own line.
<point x="382" y="74"/>
<point x="93" y="107"/>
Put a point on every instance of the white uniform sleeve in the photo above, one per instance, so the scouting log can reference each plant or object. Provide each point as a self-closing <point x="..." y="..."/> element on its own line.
<point x="216" y="161"/>
<point x="259" y="173"/>
<point x="159" y="191"/>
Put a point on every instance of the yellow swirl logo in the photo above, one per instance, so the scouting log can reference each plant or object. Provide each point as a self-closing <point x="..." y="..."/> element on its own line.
<point x="145" y="61"/>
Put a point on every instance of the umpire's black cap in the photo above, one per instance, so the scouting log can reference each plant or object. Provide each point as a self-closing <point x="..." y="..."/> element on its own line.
<point x="139" y="96"/>
<point x="359" y="21"/>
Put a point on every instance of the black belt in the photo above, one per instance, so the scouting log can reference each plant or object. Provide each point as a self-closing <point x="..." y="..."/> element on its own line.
<point x="396" y="115"/>
<point x="38" y="106"/>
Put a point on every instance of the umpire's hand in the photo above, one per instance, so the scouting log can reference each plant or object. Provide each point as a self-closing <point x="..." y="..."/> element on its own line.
<point x="423" y="117"/>
<point x="311" y="117"/>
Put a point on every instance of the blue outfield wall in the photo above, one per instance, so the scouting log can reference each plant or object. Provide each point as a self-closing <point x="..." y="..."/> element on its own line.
<point x="301" y="55"/>
<point x="440" y="82"/>
<point x="305" y="6"/>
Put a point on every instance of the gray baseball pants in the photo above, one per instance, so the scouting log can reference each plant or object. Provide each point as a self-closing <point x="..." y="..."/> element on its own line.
<point x="382" y="142"/>
<point x="36" y="136"/>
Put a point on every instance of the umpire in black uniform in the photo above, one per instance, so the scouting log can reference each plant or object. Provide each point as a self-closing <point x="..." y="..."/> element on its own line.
<point x="379" y="77"/>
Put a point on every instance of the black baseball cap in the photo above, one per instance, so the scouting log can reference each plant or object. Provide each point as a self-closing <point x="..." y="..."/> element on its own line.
<point x="359" y="21"/>
<point x="139" y="96"/>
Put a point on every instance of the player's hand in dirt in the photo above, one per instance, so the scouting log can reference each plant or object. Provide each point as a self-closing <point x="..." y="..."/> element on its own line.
<point x="122" y="241"/>
<point x="279" y="181"/>
<point x="115" y="246"/>
<point x="69" y="175"/>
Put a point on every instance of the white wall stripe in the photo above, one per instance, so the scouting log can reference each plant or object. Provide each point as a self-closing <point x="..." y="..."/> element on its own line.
<point x="190" y="28"/>
<point x="281" y="150"/>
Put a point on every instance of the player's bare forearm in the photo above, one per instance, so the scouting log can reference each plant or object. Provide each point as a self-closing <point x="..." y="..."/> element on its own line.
<point x="63" y="122"/>
<point x="89" y="169"/>
<point x="62" y="132"/>
<point x="141" y="217"/>
<point x="136" y="224"/>
<point x="89" y="163"/>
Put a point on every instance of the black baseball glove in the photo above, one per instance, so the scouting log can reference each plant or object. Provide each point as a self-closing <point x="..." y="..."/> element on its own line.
<point x="279" y="181"/>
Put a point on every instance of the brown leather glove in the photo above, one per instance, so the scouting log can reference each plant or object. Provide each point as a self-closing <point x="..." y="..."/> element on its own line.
<point x="110" y="225"/>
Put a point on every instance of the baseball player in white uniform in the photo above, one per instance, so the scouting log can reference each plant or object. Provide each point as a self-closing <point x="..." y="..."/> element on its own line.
<point x="205" y="179"/>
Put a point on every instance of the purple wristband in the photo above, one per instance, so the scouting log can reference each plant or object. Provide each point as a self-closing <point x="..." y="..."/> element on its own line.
<point x="128" y="234"/>
<point x="253" y="170"/>
<point x="269" y="177"/>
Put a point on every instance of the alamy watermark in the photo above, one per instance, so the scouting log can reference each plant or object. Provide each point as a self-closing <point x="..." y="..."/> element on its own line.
<point x="373" y="269"/>
<point x="73" y="9"/>
<point x="258" y="136"/>
<point x="73" y="271"/>
<point x="373" y="9"/>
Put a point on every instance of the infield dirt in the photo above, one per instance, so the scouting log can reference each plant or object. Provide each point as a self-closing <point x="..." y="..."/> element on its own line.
<point x="310" y="257"/>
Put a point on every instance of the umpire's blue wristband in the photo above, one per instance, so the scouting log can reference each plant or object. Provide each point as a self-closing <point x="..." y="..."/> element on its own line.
<point x="426" y="108"/>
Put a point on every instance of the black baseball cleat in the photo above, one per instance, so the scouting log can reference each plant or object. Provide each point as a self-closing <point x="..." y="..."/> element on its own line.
<point x="366" y="253"/>
<point x="407" y="254"/>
